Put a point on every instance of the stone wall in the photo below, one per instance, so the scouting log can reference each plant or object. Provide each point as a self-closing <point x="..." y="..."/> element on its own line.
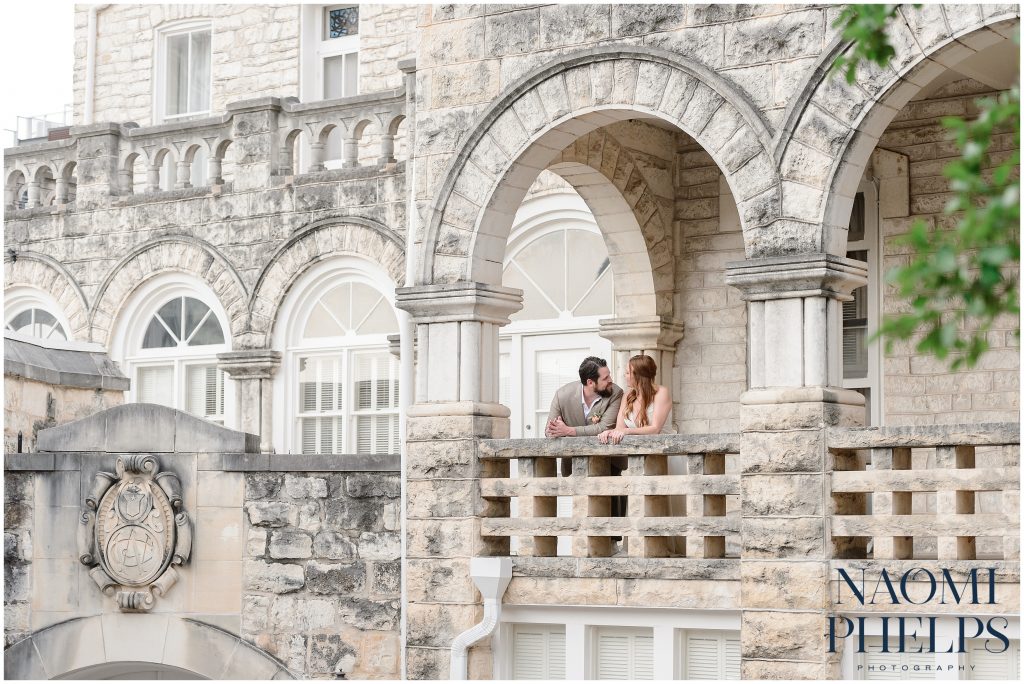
<point x="387" y="34"/>
<point x="18" y="518"/>
<point x="322" y="572"/>
<point x="31" y="406"/>
<point x="919" y="389"/>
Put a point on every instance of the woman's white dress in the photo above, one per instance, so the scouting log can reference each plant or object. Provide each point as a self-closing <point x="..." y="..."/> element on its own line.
<point x="666" y="429"/>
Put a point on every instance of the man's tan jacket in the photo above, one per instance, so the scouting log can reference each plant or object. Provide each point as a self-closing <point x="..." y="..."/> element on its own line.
<point x="568" y="403"/>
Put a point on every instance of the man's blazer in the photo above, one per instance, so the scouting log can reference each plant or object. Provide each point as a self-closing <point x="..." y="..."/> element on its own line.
<point x="568" y="403"/>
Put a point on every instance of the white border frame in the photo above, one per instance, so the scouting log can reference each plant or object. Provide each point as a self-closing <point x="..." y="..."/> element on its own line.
<point x="160" y="36"/>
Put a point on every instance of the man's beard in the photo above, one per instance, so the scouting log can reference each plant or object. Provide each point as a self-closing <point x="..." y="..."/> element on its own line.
<point x="606" y="392"/>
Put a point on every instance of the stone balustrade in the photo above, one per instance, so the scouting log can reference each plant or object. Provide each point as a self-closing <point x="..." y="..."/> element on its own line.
<point x="250" y="144"/>
<point x="675" y="489"/>
<point x="949" y="492"/>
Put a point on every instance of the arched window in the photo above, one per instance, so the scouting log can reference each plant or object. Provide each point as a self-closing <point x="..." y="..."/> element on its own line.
<point x="342" y="382"/>
<point x="169" y="341"/>
<point x="35" y="314"/>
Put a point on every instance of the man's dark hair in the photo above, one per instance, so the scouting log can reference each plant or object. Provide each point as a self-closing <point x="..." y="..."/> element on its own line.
<point x="590" y="369"/>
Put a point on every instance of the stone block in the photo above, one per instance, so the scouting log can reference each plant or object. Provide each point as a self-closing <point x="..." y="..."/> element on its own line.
<point x="588" y="591"/>
<point x="783" y="537"/>
<point x="256" y="543"/>
<point x="275" y="578"/>
<point x="636" y="20"/>
<point x="363" y="485"/>
<point x="784" y="635"/>
<point x="218" y="534"/>
<point x="513" y="33"/>
<point x="303" y="487"/>
<point x="329" y="654"/>
<point x="443" y="498"/>
<point x="427" y="662"/>
<point x="335" y="579"/>
<point x="366" y="614"/>
<point x="789" y="585"/>
<point x="218" y="586"/>
<point x="333" y="545"/>
<point x="353" y="514"/>
<point x="386" y="579"/>
<point x="686" y="594"/>
<point x="379" y="546"/>
<point x="433" y="624"/>
<point x="217" y="488"/>
<point x="291" y="614"/>
<point x="290" y="544"/>
<point x="441" y="580"/>
<point x="271" y="514"/>
<point x="782" y="494"/>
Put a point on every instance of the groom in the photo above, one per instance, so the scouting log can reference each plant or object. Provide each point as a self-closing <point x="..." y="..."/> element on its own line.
<point x="588" y="407"/>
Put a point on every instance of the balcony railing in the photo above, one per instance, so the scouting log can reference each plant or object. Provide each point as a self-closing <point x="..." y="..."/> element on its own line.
<point x="947" y="492"/>
<point x="651" y="497"/>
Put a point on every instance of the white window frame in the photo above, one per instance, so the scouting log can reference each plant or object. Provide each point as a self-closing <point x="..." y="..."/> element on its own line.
<point x="315" y="49"/>
<point x="160" y="69"/>
<point x="19" y="299"/>
<point x="288" y="339"/>
<point x="580" y="621"/>
<point x="596" y="631"/>
<point x="130" y="329"/>
<point x="871" y="244"/>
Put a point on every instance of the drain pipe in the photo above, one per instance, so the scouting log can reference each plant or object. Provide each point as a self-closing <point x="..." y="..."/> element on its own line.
<point x="90" y="63"/>
<point x="491" y="576"/>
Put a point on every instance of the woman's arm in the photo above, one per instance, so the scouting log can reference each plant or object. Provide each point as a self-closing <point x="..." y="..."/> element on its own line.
<point x="662" y="405"/>
<point x="615" y="434"/>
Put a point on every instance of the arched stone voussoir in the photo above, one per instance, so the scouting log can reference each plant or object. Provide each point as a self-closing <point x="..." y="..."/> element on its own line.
<point x="41" y="272"/>
<point x="315" y="242"/>
<point x="546" y="111"/>
<point x="170" y="253"/>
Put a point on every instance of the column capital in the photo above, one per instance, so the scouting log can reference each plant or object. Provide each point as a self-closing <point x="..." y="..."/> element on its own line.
<point x="797" y="276"/>
<point x="462" y="301"/>
<point x="642" y="332"/>
<point x="250" y="364"/>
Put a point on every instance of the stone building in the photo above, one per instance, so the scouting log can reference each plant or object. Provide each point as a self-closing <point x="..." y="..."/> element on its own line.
<point x="352" y="251"/>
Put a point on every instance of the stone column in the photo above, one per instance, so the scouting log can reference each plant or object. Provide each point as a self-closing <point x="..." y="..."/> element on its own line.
<point x="795" y="365"/>
<point x="184" y="175"/>
<point x="98" y="148"/>
<point x="256" y="141"/>
<point x="655" y="336"/>
<point x="33" y="195"/>
<point x="456" y="403"/>
<point x="253" y="372"/>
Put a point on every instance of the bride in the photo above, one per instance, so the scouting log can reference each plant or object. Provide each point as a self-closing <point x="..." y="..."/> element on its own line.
<point x="644" y="410"/>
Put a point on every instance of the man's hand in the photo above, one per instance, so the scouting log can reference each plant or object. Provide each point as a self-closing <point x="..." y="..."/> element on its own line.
<point x="558" y="428"/>
<point x="611" y="437"/>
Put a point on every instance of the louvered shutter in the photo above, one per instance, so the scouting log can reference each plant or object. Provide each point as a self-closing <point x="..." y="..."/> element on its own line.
<point x="702" y="657"/>
<point x="623" y="654"/>
<point x="205" y="392"/>
<point x="986" y="665"/>
<point x="538" y="652"/>
<point x="156" y="385"/>
<point x="732" y="658"/>
<point x="643" y="657"/>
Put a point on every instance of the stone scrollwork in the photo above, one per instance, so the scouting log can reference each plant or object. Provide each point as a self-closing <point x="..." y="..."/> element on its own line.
<point x="133" y="532"/>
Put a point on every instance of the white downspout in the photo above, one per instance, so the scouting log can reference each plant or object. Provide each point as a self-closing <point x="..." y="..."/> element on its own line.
<point x="90" y="62"/>
<point x="491" y="576"/>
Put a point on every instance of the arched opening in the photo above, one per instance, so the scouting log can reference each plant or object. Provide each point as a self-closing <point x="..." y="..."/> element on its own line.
<point x="131" y="670"/>
<point x="36" y="314"/>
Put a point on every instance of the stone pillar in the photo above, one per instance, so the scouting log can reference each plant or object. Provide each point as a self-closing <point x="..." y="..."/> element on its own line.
<point x="33" y="195"/>
<point x="795" y="365"/>
<point x="96" y="169"/>
<point x="316" y="157"/>
<point x="184" y="175"/>
<point x="387" y="149"/>
<point x="253" y="372"/>
<point x="214" y="169"/>
<point x="456" y="403"/>
<point x="152" y="178"/>
<point x="256" y="141"/>
<point x="61" y="191"/>
<point x="350" y="153"/>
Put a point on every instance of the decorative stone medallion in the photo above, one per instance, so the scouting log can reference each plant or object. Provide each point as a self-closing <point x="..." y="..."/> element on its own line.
<point x="133" y="532"/>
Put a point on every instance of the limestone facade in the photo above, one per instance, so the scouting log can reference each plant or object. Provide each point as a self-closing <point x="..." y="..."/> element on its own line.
<point x="721" y="164"/>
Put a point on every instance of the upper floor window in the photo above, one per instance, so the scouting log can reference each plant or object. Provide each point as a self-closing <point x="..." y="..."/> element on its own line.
<point x="861" y="359"/>
<point x="183" y="75"/>
<point x="339" y="51"/>
<point x="31" y="312"/>
<point x="37" y="323"/>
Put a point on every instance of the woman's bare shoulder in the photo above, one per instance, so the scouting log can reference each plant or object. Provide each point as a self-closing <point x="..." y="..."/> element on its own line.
<point x="662" y="391"/>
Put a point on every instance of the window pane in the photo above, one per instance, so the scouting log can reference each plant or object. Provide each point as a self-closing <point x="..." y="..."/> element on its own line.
<point x="364" y="298"/>
<point x="334" y="77"/>
<point x="351" y="74"/>
<point x="156" y="385"/>
<point x="534" y="305"/>
<point x="171" y="315"/>
<point x="600" y="300"/>
<point x="205" y="392"/>
<point x="331" y="313"/>
<point x="199" y="79"/>
<point x="157" y="336"/>
<point x="57" y="333"/>
<point x="340" y="22"/>
<point x="857" y="219"/>
<point x="587" y="259"/>
<point x="177" y="75"/>
<point x="543" y="260"/>
<point x="44" y="318"/>
<point x="195" y="311"/>
<point x="381" y="320"/>
<point x="21" y="321"/>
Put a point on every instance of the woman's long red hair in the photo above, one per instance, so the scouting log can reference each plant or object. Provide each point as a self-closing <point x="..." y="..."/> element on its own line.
<point x="643" y="369"/>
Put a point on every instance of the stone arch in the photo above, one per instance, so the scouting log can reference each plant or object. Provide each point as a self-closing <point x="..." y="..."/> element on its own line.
<point x="831" y="128"/>
<point x="547" y="110"/>
<point x="317" y="241"/>
<point x="40" y="272"/>
<point x="73" y="648"/>
<point x="180" y="253"/>
<point x="635" y="221"/>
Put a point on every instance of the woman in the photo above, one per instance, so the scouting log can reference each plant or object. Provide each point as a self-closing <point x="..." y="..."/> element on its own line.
<point x="644" y="410"/>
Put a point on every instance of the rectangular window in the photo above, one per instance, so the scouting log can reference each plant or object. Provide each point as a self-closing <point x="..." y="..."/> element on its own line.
<point x="186" y="72"/>
<point x="156" y="385"/>
<point x="341" y="21"/>
<point x="983" y="664"/>
<point x="860" y="316"/>
<point x="205" y="392"/>
<point x="710" y="655"/>
<point x="538" y="652"/>
<point x="341" y="75"/>
<point x="623" y="653"/>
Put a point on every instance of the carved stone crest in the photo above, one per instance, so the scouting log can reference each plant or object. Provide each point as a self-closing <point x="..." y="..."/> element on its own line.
<point x="133" y="532"/>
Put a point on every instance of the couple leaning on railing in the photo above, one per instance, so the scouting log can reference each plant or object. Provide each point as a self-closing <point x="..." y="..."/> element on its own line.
<point x="595" y="405"/>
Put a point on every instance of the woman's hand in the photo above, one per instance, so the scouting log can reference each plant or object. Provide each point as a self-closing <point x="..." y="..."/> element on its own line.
<point x="603" y="437"/>
<point x="615" y="436"/>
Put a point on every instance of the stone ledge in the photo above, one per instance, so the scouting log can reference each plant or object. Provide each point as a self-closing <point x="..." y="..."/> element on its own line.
<point x="979" y="434"/>
<point x="301" y="463"/>
<point x="1007" y="571"/>
<point x="628" y="568"/>
<point x="65" y="364"/>
<point x="29" y="462"/>
<point x="632" y="445"/>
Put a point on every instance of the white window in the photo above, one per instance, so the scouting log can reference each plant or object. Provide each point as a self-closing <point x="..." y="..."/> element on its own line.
<point x="34" y="313"/>
<point x="983" y="664"/>
<point x="709" y="655"/>
<point x="330" y="58"/>
<point x="623" y="653"/>
<point x="344" y="381"/>
<point x="175" y="362"/>
<point x="538" y="652"/>
<point x="183" y="83"/>
<point x="861" y="360"/>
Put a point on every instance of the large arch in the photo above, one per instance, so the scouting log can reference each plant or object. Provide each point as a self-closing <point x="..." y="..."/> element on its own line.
<point x="41" y="272"/>
<point x="322" y="239"/>
<point x="81" y="646"/>
<point x="831" y="128"/>
<point x="181" y="253"/>
<point x="546" y="111"/>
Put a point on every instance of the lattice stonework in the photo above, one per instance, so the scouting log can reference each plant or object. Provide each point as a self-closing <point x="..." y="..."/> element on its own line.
<point x="664" y="496"/>
<point x="946" y="493"/>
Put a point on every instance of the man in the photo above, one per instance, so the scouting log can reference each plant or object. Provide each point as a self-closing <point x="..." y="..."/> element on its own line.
<point x="588" y="407"/>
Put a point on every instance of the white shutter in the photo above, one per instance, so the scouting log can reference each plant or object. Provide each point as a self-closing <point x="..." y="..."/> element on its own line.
<point x="894" y="663"/>
<point x="308" y="435"/>
<point x="702" y="657"/>
<point x="625" y="654"/>
<point x="538" y="652"/>
<point x="204" y="387"/>
<point x="156" y="385"/>
<point x="983" y="664"/>
<point x="364" y="435"/>
<point x="732" y="658"/>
